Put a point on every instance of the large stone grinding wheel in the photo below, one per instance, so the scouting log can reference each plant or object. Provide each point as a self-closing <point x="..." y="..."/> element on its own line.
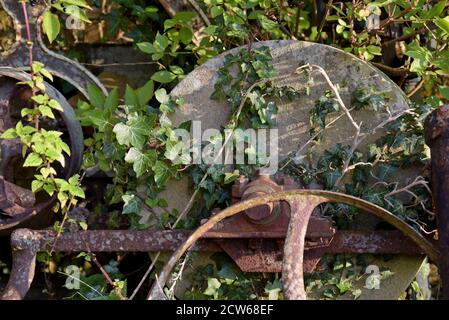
<point x="343" y="69"/>
<point x="16" y="209"/>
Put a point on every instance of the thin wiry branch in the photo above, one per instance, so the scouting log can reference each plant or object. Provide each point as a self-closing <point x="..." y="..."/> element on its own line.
<point x="334" y="88"/>
<point x="145" y="276"/>
<point x="419" y="181"/>
<point x="178" y="276"/>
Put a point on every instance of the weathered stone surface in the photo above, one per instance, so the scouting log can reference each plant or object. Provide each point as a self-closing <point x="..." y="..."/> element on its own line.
<point x="404" y="269"/>
<point x="343" y="69"/>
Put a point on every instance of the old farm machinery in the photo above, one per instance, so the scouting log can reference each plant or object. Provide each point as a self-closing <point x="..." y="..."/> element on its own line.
<point x="274" y="224"/>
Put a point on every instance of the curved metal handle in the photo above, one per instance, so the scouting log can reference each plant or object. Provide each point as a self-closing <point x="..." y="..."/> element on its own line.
<point x="303" y="201"/>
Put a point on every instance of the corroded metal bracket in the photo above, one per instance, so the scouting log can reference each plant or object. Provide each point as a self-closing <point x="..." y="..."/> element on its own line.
<point x="57" y="64"/>
<point x="302" y="204"/>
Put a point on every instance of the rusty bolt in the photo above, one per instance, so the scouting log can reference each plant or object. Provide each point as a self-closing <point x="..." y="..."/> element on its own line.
<point x="266" y="213"/>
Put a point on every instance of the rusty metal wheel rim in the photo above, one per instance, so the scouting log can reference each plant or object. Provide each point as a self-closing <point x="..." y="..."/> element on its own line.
<point x="310" y="198"/>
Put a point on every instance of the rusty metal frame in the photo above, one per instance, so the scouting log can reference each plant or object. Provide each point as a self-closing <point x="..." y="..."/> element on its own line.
<point x="437" y="138"/>
<point x="302" y="203"/>
<point x="26" y="243"/>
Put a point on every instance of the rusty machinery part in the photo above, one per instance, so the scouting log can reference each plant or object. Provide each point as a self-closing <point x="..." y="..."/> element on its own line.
<point x="302" y="203"/>
<point x="437" y="138"/>
<point x="16" y="203"/>
<point x="57" y="64"/>
<point x="261" y="186"/>
<point x="27" y="243"/>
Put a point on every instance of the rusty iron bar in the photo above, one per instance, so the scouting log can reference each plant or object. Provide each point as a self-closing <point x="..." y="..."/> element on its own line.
<point x="265" y="255"/>
<point x="437" y="138"/>
<point x="27" y="243"/>
<point x="255" y="254"/>
<point x="312" y="198"/>
<point x="58" y="65"/>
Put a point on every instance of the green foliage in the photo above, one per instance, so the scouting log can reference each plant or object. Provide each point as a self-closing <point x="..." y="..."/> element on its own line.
<point x="341" y="275"/>
<point x="372" y="172"/>
<point x="94" y="286"/>
<point x="52" y="26"/>
<point x="41" y="148"/>
<point x="223" y="280"/>
<point x="129" y="141"/>
<point x="75" y="9"/>
<point x="132" y="138"/>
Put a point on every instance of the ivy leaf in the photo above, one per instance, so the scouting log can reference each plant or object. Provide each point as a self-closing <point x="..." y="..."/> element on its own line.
<point x="162" y="96"/>
<point x="163" y="76"/>
<point x="52" y="26"/>
<point x="421" y="57"/>
<point x="133" y="204"/>
<point x="133" y="133"/>
<point x="375" y="198"/>
<point x="33" y="160"/>
<point x="330" y="178"/>
<point x="212" y="287"/>
<point x="97" y="117"/>
<point x="268" y="114"/>
<point x="227" y="273"/>
<point x="231" y="176"/>
<point x="162" y="173"/>
<point x="177" y="152"/>
<point x="273" y="289"/>
<point x="386" y="172"/>
<point x="142" y="162"/>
